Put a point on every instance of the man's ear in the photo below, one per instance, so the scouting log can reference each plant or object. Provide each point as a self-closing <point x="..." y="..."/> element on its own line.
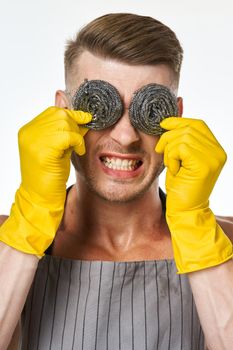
<point x="61" y="99"/>
<point x="180" y="106"/>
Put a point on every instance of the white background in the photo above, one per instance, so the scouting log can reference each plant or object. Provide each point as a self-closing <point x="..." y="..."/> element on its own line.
<point x="32" y="39"/>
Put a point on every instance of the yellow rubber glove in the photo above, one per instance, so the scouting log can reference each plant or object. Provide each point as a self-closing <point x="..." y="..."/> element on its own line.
<point x="45" y="146"/>
<point x="194" y="160"/>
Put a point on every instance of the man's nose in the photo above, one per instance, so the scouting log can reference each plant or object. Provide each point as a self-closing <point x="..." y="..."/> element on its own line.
<point x="123" y="131"/>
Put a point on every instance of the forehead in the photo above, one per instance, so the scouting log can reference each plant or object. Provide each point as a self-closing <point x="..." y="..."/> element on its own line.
<point x="126" y="78"/>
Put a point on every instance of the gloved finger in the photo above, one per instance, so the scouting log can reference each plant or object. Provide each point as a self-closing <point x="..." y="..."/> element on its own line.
<point x="62" y="141"/>
<point x="194" y="153"/>
<point x="179" y="122"/>
<point x="183" y="135"/>
<point x="172" y="162"/>
<point x="59" y="119"/>
<point x="83" y="130"/>
<point x="79" y="116"/>
<point x="189" y="157"/>
<point x="173" y="165"/>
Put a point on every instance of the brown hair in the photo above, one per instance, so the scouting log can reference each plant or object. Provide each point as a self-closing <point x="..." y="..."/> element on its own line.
<point x="129" y="38"/>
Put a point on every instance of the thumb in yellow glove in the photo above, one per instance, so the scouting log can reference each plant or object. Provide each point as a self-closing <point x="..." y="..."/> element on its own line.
<point x="194" y="160"/>
<point x="45" y="146"/>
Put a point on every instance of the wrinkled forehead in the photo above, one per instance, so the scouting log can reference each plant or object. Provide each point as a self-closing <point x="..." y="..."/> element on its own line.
<point x="124" y="77"/>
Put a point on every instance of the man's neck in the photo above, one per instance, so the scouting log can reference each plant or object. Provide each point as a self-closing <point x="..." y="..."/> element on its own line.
<point x="118" y="224"/>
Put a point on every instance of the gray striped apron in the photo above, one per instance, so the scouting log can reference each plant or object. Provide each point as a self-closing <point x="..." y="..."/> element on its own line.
<point x="87" y="305"/>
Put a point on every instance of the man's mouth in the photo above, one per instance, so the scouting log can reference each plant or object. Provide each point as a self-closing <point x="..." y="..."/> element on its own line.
<point x="125" y="164"/>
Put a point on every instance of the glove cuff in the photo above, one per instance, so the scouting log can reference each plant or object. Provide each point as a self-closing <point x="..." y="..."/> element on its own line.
<point x="30" y="228"/>
<point x="198" y="241"/>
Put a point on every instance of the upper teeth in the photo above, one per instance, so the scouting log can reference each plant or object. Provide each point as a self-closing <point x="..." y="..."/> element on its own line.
<point x="120" y="164"/>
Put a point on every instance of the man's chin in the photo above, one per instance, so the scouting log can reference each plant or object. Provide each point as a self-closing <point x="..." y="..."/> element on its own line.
<point x="121" y="196"/>
<point x="118" y="199"/>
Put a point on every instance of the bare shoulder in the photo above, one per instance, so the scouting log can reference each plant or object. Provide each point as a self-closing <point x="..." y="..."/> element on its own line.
<point x="226" y="223"/>
<point x="3" y="218"/>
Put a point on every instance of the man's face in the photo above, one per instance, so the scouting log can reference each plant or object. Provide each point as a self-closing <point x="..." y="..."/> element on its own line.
<point x="120" y="163"/>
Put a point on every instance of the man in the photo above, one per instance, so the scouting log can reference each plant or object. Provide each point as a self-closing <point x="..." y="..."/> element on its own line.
<point x="108" y="278"/>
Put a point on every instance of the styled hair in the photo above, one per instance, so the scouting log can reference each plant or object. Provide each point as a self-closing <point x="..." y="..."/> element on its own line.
<point x="128" y="38"/>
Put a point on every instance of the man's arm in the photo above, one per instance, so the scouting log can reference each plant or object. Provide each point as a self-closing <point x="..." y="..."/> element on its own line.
<point x="213" y="294"/>
<point x="194" y="159"/>
<point x="45" y="146"/>
<point x="15" y="340"/>
<point x="17" y="270"/>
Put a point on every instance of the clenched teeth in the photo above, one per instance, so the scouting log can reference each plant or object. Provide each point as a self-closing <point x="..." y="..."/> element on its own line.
<point x="121" y="164"/>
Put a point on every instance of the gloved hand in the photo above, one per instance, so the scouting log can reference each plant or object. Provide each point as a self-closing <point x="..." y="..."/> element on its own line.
<point x="194" y="160"/>
<point x="45" y="146"/>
